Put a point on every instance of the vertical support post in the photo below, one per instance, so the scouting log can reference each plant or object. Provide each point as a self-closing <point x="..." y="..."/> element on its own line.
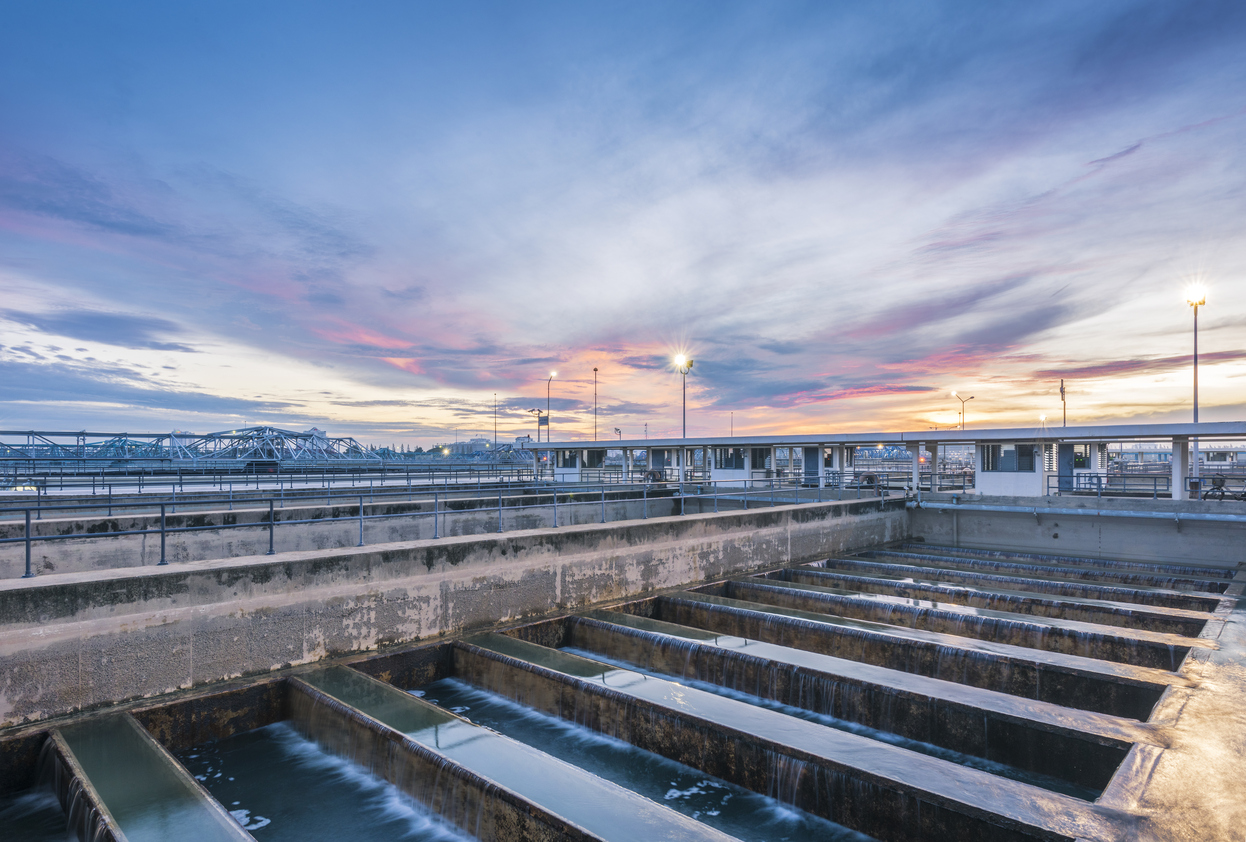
<point x="110" y="501"/>
<point x="29" y="573"/>
<point x="603" y="504"/>
<point x="772" y="489"/>
<point x="271" y="527"/>
<point x="435" y="517"/>
<point x="163" y="560"/>
<point x="39" y="501"/>
<point x="681" y="497"/>
<point x="714" y="485"/>
<point x="174" y="487"/>
<point x="555" y="494"/>
<point x="644" y="490"/>
<point x="499" y="510"/>
<point x="360" y="519"/>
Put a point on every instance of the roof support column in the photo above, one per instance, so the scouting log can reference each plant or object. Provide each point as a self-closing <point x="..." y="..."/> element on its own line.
<point x="1180" y="467"/>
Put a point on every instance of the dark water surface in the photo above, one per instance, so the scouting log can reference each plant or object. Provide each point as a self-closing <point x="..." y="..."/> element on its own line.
<point x="282" y="786"/>
<point x="726" y="807"/>
<point x="33" y="816"/>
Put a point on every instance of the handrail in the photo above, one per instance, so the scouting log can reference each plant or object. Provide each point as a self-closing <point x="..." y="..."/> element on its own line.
<point x="774" y="491"/>
<point x="1177" y="517"/>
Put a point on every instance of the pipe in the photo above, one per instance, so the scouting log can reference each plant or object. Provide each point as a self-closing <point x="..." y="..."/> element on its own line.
<point x="1034" y="510"/>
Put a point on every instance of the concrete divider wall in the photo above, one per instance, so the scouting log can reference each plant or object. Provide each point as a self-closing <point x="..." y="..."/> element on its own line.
<point x="244" y="531"/>
<point x="78" y="640"/>
<point x="1167" y="540"/>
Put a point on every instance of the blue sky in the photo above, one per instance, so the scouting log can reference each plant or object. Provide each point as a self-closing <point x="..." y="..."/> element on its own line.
<point x="375" y="217"/>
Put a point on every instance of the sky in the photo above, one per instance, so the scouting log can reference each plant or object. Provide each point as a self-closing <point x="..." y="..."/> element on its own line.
<point x="380" y="218"/>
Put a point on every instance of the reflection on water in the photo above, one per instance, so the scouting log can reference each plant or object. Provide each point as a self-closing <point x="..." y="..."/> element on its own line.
<point x="33" y="816"/>
<point x="731" y="809"/>
<point x="282" y="786"/>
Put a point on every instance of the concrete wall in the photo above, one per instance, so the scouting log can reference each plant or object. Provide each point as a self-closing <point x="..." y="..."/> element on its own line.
<point x="74" y="641"/>
<point x="244" y="532"/>
<point x="1094" y="537"/>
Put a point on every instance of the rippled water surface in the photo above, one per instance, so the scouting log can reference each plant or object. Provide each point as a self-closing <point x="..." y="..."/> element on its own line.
<point x="282" y="786"/>
<point x="731" y="809"/>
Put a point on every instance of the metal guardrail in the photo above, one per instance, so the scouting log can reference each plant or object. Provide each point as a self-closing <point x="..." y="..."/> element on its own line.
<point x="1212" y="486"/>
<point x="774" y="492"/>
<point x="288" y="476"/>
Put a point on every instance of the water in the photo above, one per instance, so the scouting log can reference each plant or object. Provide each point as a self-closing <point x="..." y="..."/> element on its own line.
<point x="142" y="787"/>
<point x="973" y="762"/>
<point x="282" y="786"/>
<point x="608" y="811"/>
<point x="34" y="816"/>
<point x="740" y="812"/>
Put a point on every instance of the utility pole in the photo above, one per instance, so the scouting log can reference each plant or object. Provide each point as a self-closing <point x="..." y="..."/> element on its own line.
<point x="1064" y="406"/>
<point x="495" y="421"/>
<point x="594" y="403"/>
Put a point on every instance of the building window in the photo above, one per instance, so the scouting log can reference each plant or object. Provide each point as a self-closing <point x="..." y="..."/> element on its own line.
<point x="729" y="458"/>
<point x="1011" y="458"/>
<point x="1081" y="455"/>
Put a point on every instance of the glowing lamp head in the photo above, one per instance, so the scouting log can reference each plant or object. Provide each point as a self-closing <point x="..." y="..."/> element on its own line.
<point x="1196" y="295"/>
<point x="553" y="374"/>
<point x="1042" y="418"/>
<point x="955" y="395"/>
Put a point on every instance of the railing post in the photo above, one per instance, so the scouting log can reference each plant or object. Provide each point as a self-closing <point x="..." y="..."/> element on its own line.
<point x="714" y="485"/>
<point x="644" y="491"/>
<point x="163" y="560"/>
<point x="39" y="502"/>
<point x="271" y="526"/>
<point x="499" y="511"/>
<point x="555" y="508"/>
<point x="435" y="517"/>
<point x="603" y="504"/>
<point x="110" y="501"/>
<point x="29" y="573"/>
<point x="772" y="491"/>
<point x="174" y="487"/>
<point x="681" y="498"/>
<point x="360" y="520"/>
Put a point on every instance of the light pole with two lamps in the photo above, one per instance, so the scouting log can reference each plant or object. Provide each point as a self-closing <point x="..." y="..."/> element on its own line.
<point x="963" y="401"/>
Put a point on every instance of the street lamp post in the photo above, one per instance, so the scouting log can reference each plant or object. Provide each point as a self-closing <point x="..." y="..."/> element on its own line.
<point x="620" y="432"/>
<point x="1196" y="296"/>
<point x="594" y="403"/>
<point x="963" y="401"/>
<point x="684" y="364"/>
<point x="547" y="387"/>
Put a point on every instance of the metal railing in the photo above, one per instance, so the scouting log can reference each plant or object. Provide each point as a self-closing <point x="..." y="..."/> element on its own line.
<point x="287" y="476"/>
<point x="1111" y="485"/>
<point x="734" y="494"/>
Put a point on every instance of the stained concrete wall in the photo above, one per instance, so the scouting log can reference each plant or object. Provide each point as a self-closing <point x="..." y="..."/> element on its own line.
<point x="1218" y="544"/>
<point x="244" y="531"/>
<point x="75" y="641"/>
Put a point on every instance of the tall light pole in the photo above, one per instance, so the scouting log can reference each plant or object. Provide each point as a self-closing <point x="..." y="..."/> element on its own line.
<point x="495" y="421"/>
<point x="1064" y="407"/>
<point x="547" y="387"/>
<point x="684" y="364"/>
<point x="594" y="403"/>
<point x="1196" y="296"/>
<point x="620" y="432"/>
<point x="963" y="401"/>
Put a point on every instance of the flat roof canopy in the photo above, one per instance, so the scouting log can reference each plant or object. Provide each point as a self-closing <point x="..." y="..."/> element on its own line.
<point x="1106" y="432"/>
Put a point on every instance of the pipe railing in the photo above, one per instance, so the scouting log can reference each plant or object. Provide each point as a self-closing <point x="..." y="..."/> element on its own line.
<point x="750" y="493"/>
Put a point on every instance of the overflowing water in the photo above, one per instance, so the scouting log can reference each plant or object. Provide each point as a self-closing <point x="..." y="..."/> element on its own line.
<point x="34" y="816"/>
<point x="1002" y="769"/>
<point x="281" y="786"/>
<point x="732" y="809"/>
<point x="141" y="786"/>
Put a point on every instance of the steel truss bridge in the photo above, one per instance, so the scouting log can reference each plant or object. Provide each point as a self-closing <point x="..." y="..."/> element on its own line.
<point x="231" y="448"/>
